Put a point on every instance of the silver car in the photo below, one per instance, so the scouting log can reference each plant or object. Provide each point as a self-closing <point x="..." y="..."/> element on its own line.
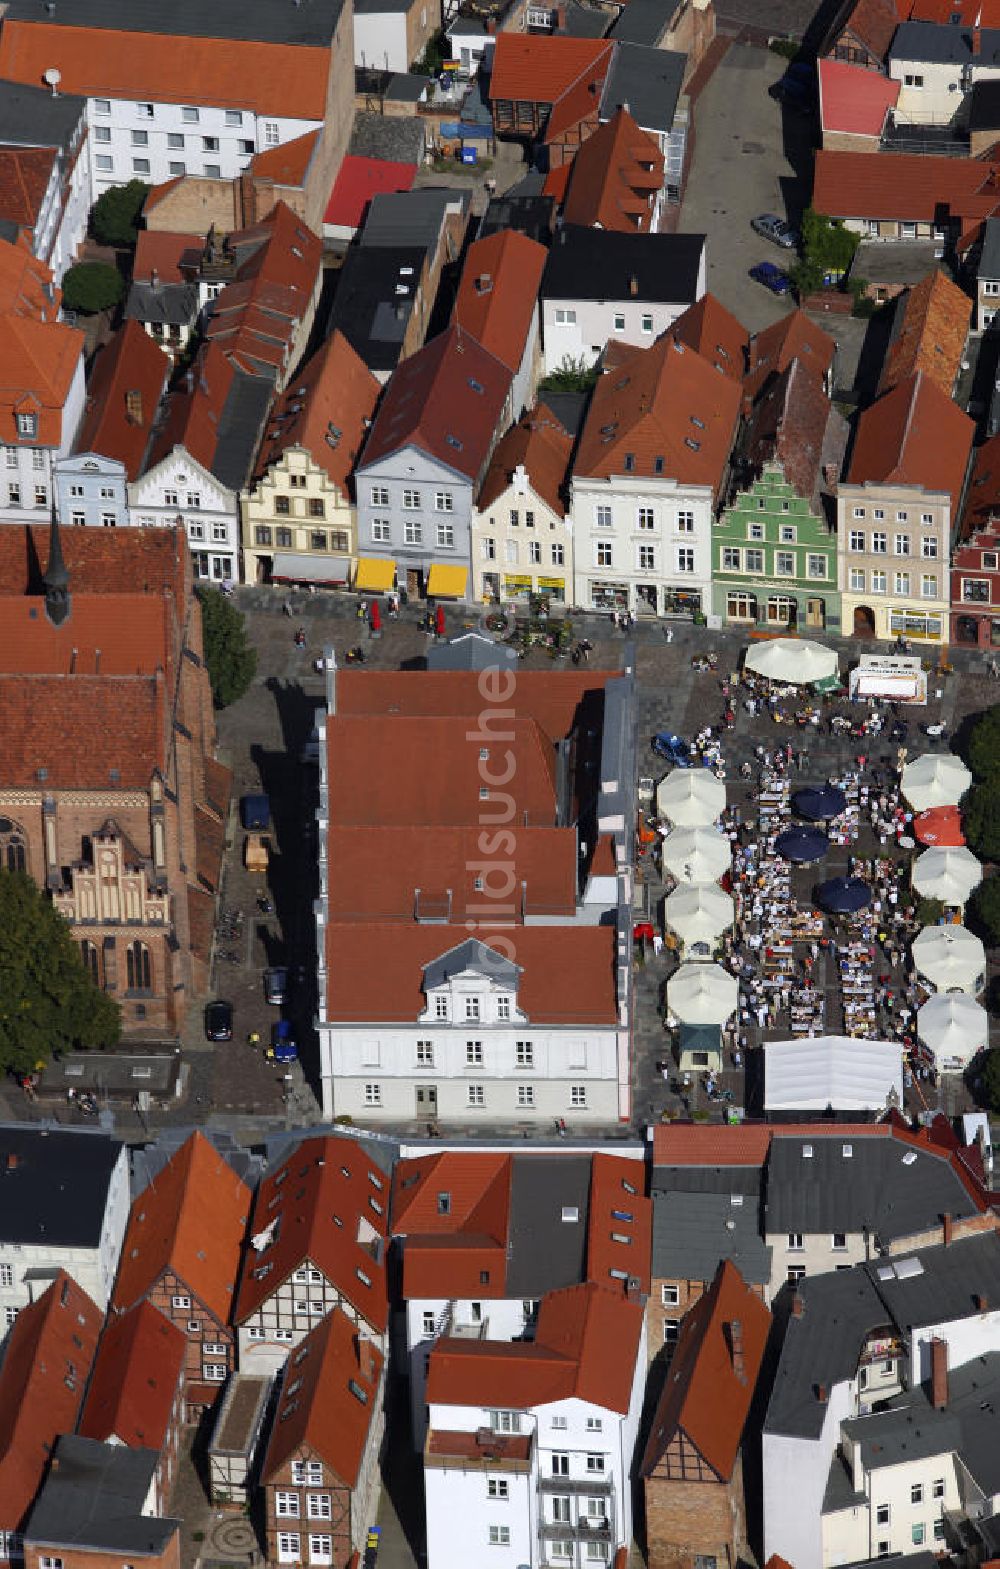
<point x="775" y="229"/>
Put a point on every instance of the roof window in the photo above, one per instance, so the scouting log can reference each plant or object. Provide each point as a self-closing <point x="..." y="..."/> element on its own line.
<point x="622" y="1214"/>
<point x="807" y="1152"/>
<point x="364" y="1279"/>
<point x="444" y="1203"/>
<point x="629" y="462"/>
<point x="476" y="386"/>
<point x="570" y="1212"/>
<point x="357" y="1391"/>
<point x="695" y="446"/>
<point x="847" y="1150"/>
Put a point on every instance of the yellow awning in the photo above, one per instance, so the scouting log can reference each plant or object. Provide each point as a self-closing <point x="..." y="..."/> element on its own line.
<point x="447" y="582"/>
<point x="375" y="575"/>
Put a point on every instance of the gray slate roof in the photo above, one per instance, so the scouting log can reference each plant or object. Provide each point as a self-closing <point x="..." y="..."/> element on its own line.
<point x="822" y="1347"/>
<point x="471" y="955"/>
<point x="585" y="21"/>
<point x="471" y="651"/>
<point x="530" y="215"/>
<point x="93" y="1499"/>
<point x="408" y="218"/>
<point x="31" y="117"/>
<point x="941" y="43"/>
<point x="989" y="261"/>
<point x="173" y="303"/>
<point x="310" y="23"/>
<point x="54" y="1185"/>
<point x="601" y="264"/>
<point x="545" y="1252"/>
<point x="395" y="138"/>
<point x="647" y="81"/>
<point x="241" y="425"/>
<point x="947" y="1284"/>
<point x="645" y="21"/>
<point x="694" y="1232"/>
<point x="894" y="261"/>
<point x="367" y="305"/>
<point x="878" y="1186"/>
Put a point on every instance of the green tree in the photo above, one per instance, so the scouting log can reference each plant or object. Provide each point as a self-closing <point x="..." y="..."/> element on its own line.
<point x="827" y="247"/>
<point x="981" y="819"/>
<point x="984" y="907"/>
<point x="114" y="219"/>
<point x="929" y="912"/>
<point x="991" y="1080"/>
<point x="231" y="662"/>
<point x="570" y="375"/>
<point x="92" y="286"/>
<point x="983" y="750"/>
<point x="48" y="1002"/>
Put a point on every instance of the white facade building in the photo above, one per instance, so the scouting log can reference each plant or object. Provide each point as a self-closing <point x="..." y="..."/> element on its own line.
<point x="179" y="491"/>
<point x="27" y="479"/>
<point x="642" y="544"/>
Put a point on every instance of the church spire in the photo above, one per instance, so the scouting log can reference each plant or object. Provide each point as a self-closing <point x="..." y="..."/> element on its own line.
<point x="56" y="577"/>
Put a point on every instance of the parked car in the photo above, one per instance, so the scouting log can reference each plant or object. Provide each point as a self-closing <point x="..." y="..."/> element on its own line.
<point x="283" y="1045"/>
<point x="219" y="1021"/>
<point x="276" y="985"/>
<point x="774" y="228"/>
<point x="771" y="277"/>
<point x="797" y="88"/>
<point x="673" y="749"/>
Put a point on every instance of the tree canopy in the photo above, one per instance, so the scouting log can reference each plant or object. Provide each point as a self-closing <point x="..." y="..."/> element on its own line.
<point x="92" y="286"/>
<point x="991" y="1080"/>
<point x="231" y="662"/>
<point x="48" y="1002"/>
<point x="827" y="247"/>
<point x="114" y="218"/>
<point x="981" y="819"/>
<point x="984" y="909"/>
<point x="570" y="375"/>
<point x="982" y="752"/>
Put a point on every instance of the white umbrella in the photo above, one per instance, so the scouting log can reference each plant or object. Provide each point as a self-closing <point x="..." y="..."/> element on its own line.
<point x="702" y="994"/>
<point x="697" y="855"/>
<point x="699" y="912"/>
<point x="935" y="780"/>
<point x="792" y="659"/>
<point x="691" y="796"/>
<point x="955" y="1028"/>
<point x="946" y="874"/>
<point x="951" y="958"/>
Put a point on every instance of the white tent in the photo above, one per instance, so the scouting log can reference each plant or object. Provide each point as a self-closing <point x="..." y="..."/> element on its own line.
<point x="702" y="994"/>
<point x="791" y="659"/>
<point x="832" y="1070"/>
<point x="697" y="855"/>
<point x="936" y="779"/>
<point x="698" y="913"/>
<point x="691" y="796"/>
<point x="951" y="958"/>
<point x="954" y="1028"/>
<point x="946" y="874"/>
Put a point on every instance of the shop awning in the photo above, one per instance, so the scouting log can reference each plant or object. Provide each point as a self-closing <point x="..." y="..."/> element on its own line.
<point x="447" y="582"/>
<point x="375" y="575"/>
<point x="292" y="568"/>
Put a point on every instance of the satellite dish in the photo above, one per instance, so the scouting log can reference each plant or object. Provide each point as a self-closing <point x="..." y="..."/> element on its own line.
<point x="53" y="76"/>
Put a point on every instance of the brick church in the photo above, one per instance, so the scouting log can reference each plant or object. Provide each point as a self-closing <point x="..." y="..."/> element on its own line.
<point x="110" y="796"/>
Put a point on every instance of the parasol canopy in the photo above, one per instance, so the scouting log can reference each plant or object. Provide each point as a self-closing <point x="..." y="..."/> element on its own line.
<point x="953" y="1027"/>
<point x="843" y="895"/>
<point x="791" y="659"/>
<point x="936" y="779"/>
<point x="691" y="797"/>
<point x="802" y="845"/>
<point x="698" y="912"/>
<point x="702" y="994"/>
<point x="697" y="855"/>
<point x="820" y="805"/>
<point x="941" y="825"/>
<point x="951" y="958"/>
<point x="946" y="874"/>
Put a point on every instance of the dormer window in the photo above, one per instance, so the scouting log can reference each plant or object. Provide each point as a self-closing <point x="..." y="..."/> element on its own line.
<point x="472" y="1007"/>
<point x="27" y="426"/>
<point x="503" y="1007"/>
<point x="440" y="1007"/>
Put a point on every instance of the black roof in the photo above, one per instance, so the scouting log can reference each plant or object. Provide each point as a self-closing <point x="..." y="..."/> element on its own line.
<point x="310" y="22"/>
<point x="940" y="43"/>
<point x="984" y="105"/>
<point x="568" y="408"/>
<point x="32" y="117"/>
<point x="544" y="1251"/>
<point x="647" y="82"/>
<point x="174" y="303"/>
<point x="241" y="425"/>
<point x="600" y="264"/>
<point x="822" y="1348"/>
<point x="530" y="215"/>
<point x="397" y="218"/>
<point x="54" y="1185"/>
<point x="368" y="307"/>
<point x="93" y="1498"/>
<point x="645" y="21"/>
<point x="936" y="1284"/>
<point x="694" y="1232"/>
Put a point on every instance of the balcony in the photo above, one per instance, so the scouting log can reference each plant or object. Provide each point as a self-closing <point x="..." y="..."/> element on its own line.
<point x="483" y="1450"/>
<point x="585" y="1530"/>
<point x="595" y="1485"/>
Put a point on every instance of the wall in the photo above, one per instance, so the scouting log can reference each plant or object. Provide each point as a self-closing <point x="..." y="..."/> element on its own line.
<point x="161" y="496"/>
<point x="502" y="1318"/>
<point x="74" y="1557"/>
<point x="756" y="521"/>
<point x="937" y="101"/>
<point x="502" y="551"/>
<point x="94" y="476"/>
<point x="856" y="1534"/>
<point x="668" y="498"/>
<point x="689" y="1520"/>
<point x="380" y="40"/>
<point x="914" y="503"/>
<point x="305" y="487"/>
<point x="795" y="1476"/>
<point x="592" y="325"/>
<point x="411" y="469"/>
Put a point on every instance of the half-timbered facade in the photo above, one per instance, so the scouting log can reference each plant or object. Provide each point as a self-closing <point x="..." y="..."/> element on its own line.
<point x="318" y="1241"/>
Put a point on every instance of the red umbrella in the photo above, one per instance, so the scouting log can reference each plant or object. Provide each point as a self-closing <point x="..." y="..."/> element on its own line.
<point x="375" y="616"/>
<point x="941" y="826"/>
<point x="439" y="621"/>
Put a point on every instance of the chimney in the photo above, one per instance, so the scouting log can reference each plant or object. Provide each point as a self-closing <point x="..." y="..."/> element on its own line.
<point x="633" y="286"/>
<point x="977" y="42"/>
<point x="12" y="1162"/>
<point x="560" y="14"/>
<point x="822" y="1394"/>
<point x="982" y="1301"/>
<point x="946" y="1229"/>
<point x="133" y="406"/>
<point x="798" y="1306"/>
<point x="491" y="26"/>
<point x="939" y="1373"/>
<point x="736" y="1350"/>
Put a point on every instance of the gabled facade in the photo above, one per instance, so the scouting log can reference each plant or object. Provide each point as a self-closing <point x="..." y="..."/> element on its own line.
<point x="617" y="179"/>
<point x="521" y="536"/>
<point x="179" y="492"/>
<point x="537" y="80"/>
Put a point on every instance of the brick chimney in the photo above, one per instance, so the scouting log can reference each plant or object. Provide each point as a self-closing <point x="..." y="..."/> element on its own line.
<point x="798" y="1306"/>
<point x="736" y="1350"/>
<point x="822" y="1394"/>
<point x="946" y="1229"/>
<point x="133" y="406"/>
<point x="633" y="286"/>
<point x="977" y="42"/>
<point x="939" y="1373"/>
<point x="982" y="1301"/>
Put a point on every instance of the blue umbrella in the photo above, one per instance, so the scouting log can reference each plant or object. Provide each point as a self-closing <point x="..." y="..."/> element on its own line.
<point x="802" y="845"/>
<point x="821" y="804"/>
<point x="844" y="895"/>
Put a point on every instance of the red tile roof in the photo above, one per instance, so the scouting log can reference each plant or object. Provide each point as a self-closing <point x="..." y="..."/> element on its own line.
<point x="616" y="176"/>
<point x="688" y="1144"/>
<point x="536" y="69"/>
<point x="914" y="435"/>
<point x="498" y="294"/>
<point x="104" y="634"/>
<point x="447" y="400"/>
<point x="287" y="164"/>
<point x="25" y="173"/>
<point x="712" y="1375"/>
<point x="123" y="395"/>
<point x="255" y="315"/>
<point x="908" y="186"/>
<point x="714" y="333"/>
<point x="325" y="409"/>
<point x="169" y="68"/>
<point x="41" y="355"/>
<point x="665" y="408"/>
<point x="81" y="730"/>
<point x="791" y="337"/>
<point x="170" y="255"/>
<point x="327" y="1204"/>
<point x="191" y="1221"/>
<point x="329" y="1401"/>
<point x="853" y="99"/>
<point x="932" y="336"/>
<point x="874" y="22"/>
<point x="554" y="699"/>
<point x="586" y="1344"/>
<point x="619" y="1224"/>
<point x="148" y="561"/>
<point x="46" y="1364"/>
<point x="447" y="1252"/>
<point x="133" y="1387"/>
<point x="539" y="445"/>
<point x="358" y="180"/>
<point x="982" y="499"/>
<point x="26" y="283"/>
<point x="567" y="972"/>
<point x="579" y="106"/>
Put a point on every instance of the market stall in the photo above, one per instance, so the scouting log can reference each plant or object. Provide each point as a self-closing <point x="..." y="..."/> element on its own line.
<point x="894" y="678"/>
<point x="832" y="1071"/>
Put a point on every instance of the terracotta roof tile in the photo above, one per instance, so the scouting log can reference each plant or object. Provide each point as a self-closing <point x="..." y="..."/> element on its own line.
<point x="665" y="410"/>
<point x="554" y="699"/>
<point x="190" y="1220"/>
<point x="169" y="254"/>
<point x="147" y="561"/>
<point x="932" y="336"/>
<point x="104" y="634"/>
<point x="567" y="973"/>
<point x="329" y="1400"/>
<point x="288" y="164"/>
<point x="853" y="99"/>
<point x="908" y="186"/>
<point x="25" y="173"/>
<point x="874" y="22"/>
<point x="793" y="423"/>
<point x="615" y="178"/>
<point x="540" y="445"/>
<point x="914" y="435"/>
<point x="712" y="1375"/>
<point x="82" y="730"/>
<point x="619" y="1224"/>
<point x="536" y="69"/>
<point x="453" y="1246"/>
<point x="498" y="293"/>
<point x="715" y="334"/>
<point x="791" y="337"/>
<point x="446" y="400"/>
<point x="580" y="102"/>
<point x="688" y="1144"/>
<point x="326" y="1203"/>
<point x="47" y="1360"/>
<point x="585" y="1347"/>
<point x="40" y="360"/>
<point x="123" y="395"/>
<point x="325" y="409"/>
<point x="169" y="68"/>
<point x="133" y="1387"/>
<point x="26" y="283"/>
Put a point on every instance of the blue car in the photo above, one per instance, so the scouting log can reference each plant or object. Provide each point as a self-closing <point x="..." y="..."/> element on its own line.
<point x="283" y="1047"/>
<point x="771" y="277"/>
<point x="673" y="749"/>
